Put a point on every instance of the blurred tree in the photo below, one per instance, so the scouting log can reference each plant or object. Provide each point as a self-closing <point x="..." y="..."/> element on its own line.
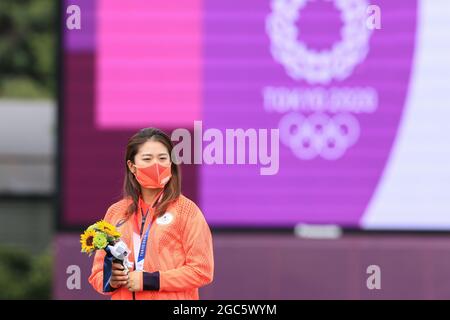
<point x="25" y="276"/>
<point x="27" y="48"/>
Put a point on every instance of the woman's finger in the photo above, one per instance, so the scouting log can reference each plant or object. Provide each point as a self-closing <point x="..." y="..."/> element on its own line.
<point x="117" y="266"/>
<point x="119" y="273"/>
<point x="116" y="284"/>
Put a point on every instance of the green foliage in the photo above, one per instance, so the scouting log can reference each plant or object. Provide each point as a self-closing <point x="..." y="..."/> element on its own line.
<point x="27" y="48"/>
<point x="25" y="276"/>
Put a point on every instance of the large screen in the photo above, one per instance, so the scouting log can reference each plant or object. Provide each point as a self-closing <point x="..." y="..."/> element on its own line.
<point x="296" y="111"/>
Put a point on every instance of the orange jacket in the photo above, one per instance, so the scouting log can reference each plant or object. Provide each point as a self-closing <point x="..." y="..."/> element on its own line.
<point x="178" y="257"/>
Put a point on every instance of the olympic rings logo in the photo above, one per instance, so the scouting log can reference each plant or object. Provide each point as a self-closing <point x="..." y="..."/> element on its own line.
<point x="319" y="134"/>
<point x="311" y="65"/>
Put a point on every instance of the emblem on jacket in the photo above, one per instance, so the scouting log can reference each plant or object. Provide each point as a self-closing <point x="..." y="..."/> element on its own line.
<point x="165" y="219"/>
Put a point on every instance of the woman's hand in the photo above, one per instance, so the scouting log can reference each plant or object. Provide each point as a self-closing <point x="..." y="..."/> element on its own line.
<point x="135" y="281"/>
<point x="119" y="276"/>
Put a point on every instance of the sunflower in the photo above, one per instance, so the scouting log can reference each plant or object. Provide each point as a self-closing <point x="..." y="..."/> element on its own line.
<point x="87" y="241"/>
<point x="107" y="228"/>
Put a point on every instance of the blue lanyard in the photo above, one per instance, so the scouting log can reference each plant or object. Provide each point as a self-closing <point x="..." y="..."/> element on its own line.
<point x="144" y="240"/>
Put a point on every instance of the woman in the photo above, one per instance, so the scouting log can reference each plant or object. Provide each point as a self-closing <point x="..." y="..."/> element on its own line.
<point x="170" y="241"/>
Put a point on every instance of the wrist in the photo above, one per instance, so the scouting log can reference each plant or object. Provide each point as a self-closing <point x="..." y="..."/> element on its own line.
<point x="150" y="281"/>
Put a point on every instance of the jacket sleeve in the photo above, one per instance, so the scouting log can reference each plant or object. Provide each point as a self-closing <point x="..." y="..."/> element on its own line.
<point x="102" y="262"/>
<point x="198" y="269"/>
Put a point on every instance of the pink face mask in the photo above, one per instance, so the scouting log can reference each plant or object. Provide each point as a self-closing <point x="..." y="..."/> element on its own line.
<point x="154" y="176"/>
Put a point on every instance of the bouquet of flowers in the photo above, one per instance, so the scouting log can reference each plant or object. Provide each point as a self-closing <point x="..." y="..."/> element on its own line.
<point x="104" y="236"/>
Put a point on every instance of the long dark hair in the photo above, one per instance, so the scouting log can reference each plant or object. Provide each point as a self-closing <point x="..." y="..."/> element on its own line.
<point x="132" y="189"/>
